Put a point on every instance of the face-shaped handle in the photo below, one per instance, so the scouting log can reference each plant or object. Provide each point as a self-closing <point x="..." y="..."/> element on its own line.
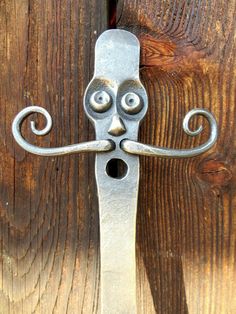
<point x="116" y="102"/>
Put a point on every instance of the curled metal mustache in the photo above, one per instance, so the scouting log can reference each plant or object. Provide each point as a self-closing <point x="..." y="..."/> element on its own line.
<point x="137" y="148"/>
<point x="91" y="146"/>
<point x="127" y="145"/>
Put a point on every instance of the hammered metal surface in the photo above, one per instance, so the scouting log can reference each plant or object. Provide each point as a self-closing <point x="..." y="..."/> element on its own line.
<point x="116" y="102"/>
<point x="117" y="72"/>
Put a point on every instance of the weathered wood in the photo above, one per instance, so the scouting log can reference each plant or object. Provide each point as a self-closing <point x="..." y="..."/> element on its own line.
<point x="48" y="220"/>
<point x="49" y="243"/>
<point x="186" y="219"/>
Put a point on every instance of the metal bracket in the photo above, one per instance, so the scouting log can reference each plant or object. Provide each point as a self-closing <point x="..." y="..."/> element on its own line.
<point x="116" y="102"/>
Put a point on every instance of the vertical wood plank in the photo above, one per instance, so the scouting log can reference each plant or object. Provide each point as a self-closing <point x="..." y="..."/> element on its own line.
<point x="48" y="209"/>
<point x="186" y="221"/>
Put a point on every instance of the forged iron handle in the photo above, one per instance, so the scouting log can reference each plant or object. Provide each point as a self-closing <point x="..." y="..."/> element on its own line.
<point x="116" y="102"/>
<point x="91" y="146"/>
<point x="137" y="148"/>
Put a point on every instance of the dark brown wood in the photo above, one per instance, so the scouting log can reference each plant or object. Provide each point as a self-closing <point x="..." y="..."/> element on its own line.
<point x="48" y="220"/>
<point x="49" y="236"/>
<point x="186" y="219"/>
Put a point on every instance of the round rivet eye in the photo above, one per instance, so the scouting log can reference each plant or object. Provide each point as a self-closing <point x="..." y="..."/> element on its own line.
<point x="100" y="101"/>
<point x="131" y="103"/>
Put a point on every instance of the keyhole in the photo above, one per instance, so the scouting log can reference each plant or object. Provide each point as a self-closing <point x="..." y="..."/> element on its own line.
<point x="116" y="168"/>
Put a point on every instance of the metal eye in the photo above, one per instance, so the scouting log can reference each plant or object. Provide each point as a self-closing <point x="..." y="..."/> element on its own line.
<point x="100" y="101"/>
<point x="131" y="103"/>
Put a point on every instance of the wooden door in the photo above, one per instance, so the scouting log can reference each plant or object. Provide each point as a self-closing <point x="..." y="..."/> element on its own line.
<point x="49" y="233"/>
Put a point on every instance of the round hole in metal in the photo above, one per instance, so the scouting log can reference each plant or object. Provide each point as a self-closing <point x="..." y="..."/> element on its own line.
<point x="116" y="168"/>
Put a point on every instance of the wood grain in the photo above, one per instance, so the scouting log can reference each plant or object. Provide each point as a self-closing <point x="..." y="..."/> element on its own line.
<point x="49" y="242"/>
<point x="49" y="221"/>
<point x="187" y="221"/>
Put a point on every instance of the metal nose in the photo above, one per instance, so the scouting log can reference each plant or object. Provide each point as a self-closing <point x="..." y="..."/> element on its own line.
<point x="117" y="126"/>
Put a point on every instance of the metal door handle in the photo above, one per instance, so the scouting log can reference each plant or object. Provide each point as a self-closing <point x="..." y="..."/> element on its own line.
<point x="116" y="102"/>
